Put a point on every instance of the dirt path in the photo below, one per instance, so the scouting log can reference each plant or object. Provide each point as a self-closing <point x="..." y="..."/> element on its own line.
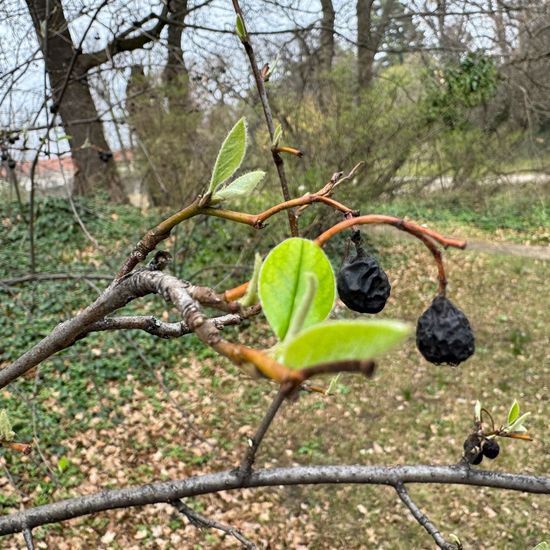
<point x="536" y="252"/>
<point x="509" y="249"/>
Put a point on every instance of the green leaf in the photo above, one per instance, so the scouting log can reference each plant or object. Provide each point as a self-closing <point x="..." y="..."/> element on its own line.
<point x="332" y="384"/>
<point x="301" y="312"/>
<point x="241" y="187"/>
<point x="513" y="413"/>
<point x="230" y="155"/>
<point x="455" y="539"/>
<point x="343" y="340"/>
<point x="251" y="296"/>
<point x="477" y="412"/>
<point x="277" y="135"/>
<point x="283" y="284"/>
<point x="517" y="425"/>
<point x="239" y="28"/>
<point x="542" y="546"/>
<point x="6" y="432"/>
<point x="63" y="463"/>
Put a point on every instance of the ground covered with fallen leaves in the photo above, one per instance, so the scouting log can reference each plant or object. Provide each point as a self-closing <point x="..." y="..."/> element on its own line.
<point x="117" y="410"/>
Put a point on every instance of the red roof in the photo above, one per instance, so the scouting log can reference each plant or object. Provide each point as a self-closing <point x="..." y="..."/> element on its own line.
<point x="56" y="165"/>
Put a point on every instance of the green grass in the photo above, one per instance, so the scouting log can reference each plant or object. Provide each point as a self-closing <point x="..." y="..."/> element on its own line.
<point x="522" y="208"/>
<point x="103" y="420"/>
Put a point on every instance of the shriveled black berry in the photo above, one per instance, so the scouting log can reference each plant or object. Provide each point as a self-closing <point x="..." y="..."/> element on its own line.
<point x="443" y="333"/>
<point x="472" y="449"/>
<point x="477" y="459"/>
<point x="362" y="284"/>
<point x="11" y="164"/>
<point x="105" y="155"/>
<point x="490" y="448"/>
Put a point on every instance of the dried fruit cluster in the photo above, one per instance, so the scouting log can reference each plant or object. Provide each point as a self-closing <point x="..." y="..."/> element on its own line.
<point x="477" y="447"/>
<point x="443" y="332"/>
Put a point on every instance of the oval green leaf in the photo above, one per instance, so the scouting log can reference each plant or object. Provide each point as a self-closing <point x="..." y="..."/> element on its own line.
<point x="239" y="188"/>
<point x="230" y="155"/>
<point x="335" y="341"/>
<point x="283" y="284"/>
<point x="513" y="413"/>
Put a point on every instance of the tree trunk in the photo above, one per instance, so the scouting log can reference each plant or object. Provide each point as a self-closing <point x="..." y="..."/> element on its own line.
<point x="369" y="38"/>
<point x="76" y="106"/>
<point x="175" y="73"/>
<point x="326" y="50"/>
<point x="365" y="50"/>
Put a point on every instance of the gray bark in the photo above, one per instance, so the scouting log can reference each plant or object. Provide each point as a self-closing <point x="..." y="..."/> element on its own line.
<point x="169" y="491"/>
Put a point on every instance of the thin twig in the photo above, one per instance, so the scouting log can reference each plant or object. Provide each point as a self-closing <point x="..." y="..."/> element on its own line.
<point x="422" y="518"/>
<point x="39" y="277"/>
<point x="201" y="522"/>
<point x="36" y="440"/>
<point x="262" y="92"/>
<point x="151" y="325"/>
<point x="247" y="462"/>
<point x="27" y="535"/>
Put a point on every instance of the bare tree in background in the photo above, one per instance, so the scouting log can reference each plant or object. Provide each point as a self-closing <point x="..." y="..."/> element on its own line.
<point x="370" y="32"/>
<point x="68" y="71"/>
<point x="327" y="46"/>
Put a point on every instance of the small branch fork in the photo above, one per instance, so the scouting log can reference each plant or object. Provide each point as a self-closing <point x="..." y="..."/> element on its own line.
<point x="27" y="536"/>
<point x="245" y="469"/>
<point x="200" y="521"/>
<point x="421" y="518"/>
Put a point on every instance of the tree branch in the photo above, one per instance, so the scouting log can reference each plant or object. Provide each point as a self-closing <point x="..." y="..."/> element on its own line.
<point x="122" y="43"/>
<point x="32" y="277"/>
<point x="262" y="92"/>
<point x="27" y="535"/>
<point x="152" y="325"/>
<point x="200" y="521"/>
<point x="168" y="491"/>
<point x="245" y="468"/>
<point x="422" y="518"/>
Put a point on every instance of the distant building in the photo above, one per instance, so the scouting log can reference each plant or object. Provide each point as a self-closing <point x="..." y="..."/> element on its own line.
<point x="54" y="177"/>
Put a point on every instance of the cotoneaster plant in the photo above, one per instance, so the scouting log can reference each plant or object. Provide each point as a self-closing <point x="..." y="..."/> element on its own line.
<point x="295" y="288"/>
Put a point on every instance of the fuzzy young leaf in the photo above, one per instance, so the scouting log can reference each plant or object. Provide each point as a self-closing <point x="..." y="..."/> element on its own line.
<point x="542" y="546"/>
<point x="477" y="412"/>
<point x="513" y="413"/>
<point x="6" y="432"/>
<point x="277" y="135"/>
<point x="343" y="340"/>
<point x="517" y="425"/>
<point x="283" y="284"/>
<point x="230" y="155"/>
<point x="251" y="296"/>
<point x="239" y="188"/>
<point x="239" y="28"/>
